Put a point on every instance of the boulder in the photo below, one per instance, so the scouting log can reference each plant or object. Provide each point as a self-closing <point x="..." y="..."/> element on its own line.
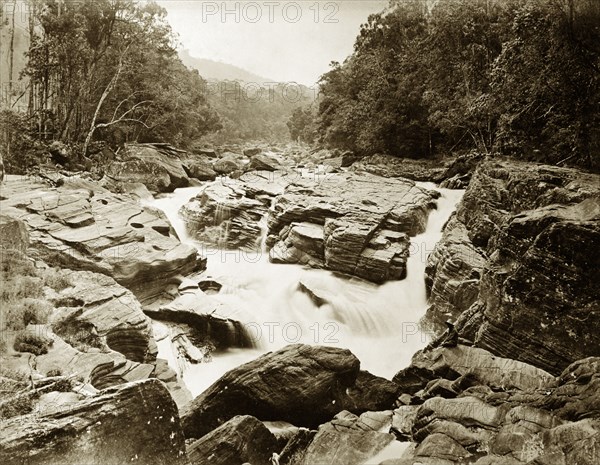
<point x="348" y="440"/>
<point x="352" y="223"/>
<point x="228" y="163"/>
<point x="210" y="322"/>
<point x="253" y="151"/>
<point x="94" y="230"/>
<point x="202" y="171"/>
<point x="223" y="215"/>
<point x="577" y="395"/>
<point x="301" y="384"/>
<point x="439" y="445"/>
<point x="240" y="440"/>
<point x="157" y="166"/>
<point x="136" y="422"/>
<point x="263" y="162"/>
<point x="484" y="367"/>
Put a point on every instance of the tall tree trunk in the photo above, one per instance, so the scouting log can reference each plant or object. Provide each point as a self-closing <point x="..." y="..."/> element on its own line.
<point x="105" y="94"/>
<point x="11" y="57"/>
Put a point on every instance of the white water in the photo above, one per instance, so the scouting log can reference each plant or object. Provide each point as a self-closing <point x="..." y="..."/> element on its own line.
<point x="379" y="324"/>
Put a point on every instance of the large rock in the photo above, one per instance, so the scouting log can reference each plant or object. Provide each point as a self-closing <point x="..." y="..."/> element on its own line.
<point x="211" y="322"/>
<point x="485" y="368"/>
<point x="157" y="166"/>
<point x="506" y="417"/>
<point x="223" y="215"/>
<point x="229" y="163"/>
<point x="202" y="171"/>
<point x="96" y="303"/>
<point x="349" y="440"/>
<point x="262" y="162"/>
<point x="252" y="151"/>
<point x="500" y="189"/>
<point x="519" y="231"/>
<point x="351" y="223"/>
<point x="92" y="229"/>
<point x="452" y="275"/>
<point x="243" y="439"/>
<point x="304" y="385"/>
<point x="136" y="422"/>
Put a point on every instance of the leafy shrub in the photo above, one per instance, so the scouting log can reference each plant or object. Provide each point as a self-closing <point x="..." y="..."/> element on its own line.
<point x="56" y="279"/>
<point x="20" y="404"/>
<point x="54" y="372"/>
<point x="29" y="342"/>
<point x="20" y="287"/>
<point x="25" y="312"/>
<point x="79" y="334"/>
<point x="14" y="262"/>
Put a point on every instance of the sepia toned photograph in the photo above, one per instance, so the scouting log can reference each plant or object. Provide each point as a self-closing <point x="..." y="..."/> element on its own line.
<point x="310" y="232"/>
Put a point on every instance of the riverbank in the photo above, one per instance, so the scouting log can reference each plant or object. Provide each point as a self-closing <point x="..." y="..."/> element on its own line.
<point x="487" y="390"/>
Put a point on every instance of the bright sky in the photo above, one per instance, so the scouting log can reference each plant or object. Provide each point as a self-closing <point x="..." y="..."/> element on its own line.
<point x="281" y="40"/>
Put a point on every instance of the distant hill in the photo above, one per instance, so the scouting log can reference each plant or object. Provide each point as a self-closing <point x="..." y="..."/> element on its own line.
<point x="216" y="70"/>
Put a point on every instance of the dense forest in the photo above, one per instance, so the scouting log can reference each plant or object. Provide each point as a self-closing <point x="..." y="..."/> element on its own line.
<point x="515" y="77"/>
<point x="512" y="77"/>
<point x="105" y="69"/>
<point x="256" y="110"/>
<point x="109" y="70"/>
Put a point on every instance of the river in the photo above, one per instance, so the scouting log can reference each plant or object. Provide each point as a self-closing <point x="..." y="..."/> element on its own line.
<point x="379" y="324"/>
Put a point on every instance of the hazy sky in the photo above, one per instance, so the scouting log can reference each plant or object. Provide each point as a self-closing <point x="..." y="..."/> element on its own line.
<point x="280" y="40"/>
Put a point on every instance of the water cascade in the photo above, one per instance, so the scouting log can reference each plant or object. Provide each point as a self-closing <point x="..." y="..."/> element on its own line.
<point x="284" y="304"/>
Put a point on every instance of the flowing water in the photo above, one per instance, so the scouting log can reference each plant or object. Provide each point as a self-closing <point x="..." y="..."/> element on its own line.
<point x="379" y="324"/>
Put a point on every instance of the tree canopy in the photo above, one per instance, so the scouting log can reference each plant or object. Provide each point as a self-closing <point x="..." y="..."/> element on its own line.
<point x="111" y="66"/>
<point x="516" y="77"/>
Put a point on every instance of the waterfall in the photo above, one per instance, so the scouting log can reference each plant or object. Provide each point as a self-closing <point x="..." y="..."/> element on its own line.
<point x="380" y="324"/>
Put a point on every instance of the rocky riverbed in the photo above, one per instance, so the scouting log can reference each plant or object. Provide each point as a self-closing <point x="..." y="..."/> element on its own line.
<point x="512" y="379"/>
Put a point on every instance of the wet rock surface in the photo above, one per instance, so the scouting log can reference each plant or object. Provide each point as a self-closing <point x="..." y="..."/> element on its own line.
<point x="207" y="321"/>
<point x="350" y="223"/>
<point x="224" y="215"/>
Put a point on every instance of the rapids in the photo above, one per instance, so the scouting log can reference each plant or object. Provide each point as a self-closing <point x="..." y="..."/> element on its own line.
<point x="379" y="324"/>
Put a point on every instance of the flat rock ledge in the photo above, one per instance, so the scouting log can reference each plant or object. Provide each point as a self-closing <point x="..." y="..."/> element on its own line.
<point x="82" y="226"/>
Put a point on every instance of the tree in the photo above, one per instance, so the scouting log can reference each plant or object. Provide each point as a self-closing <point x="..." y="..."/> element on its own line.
<point x="112" y="64"/>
